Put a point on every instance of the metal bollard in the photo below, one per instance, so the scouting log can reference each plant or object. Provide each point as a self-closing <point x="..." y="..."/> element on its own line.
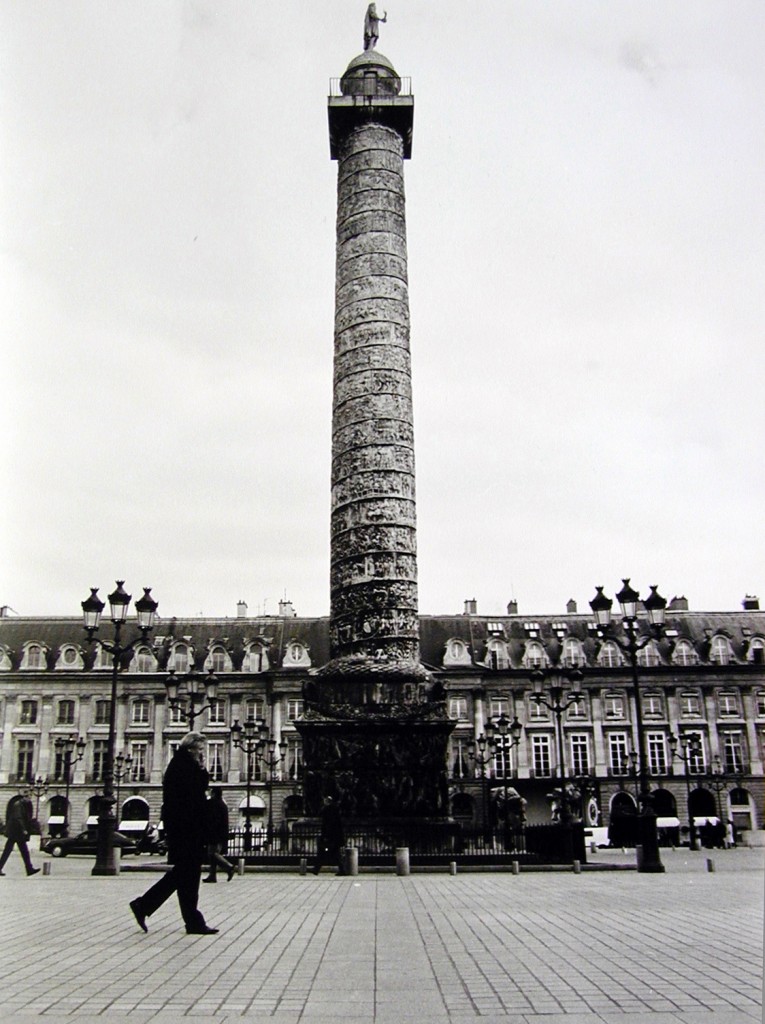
<point x="452" y="867"/>
<point x="46" y="867"/>
<point x="402" y="860"/>
<point x="351" y="860"/>
<point x="710" y="864"/>
<point x="240" y="865"/>
<point x="593" y="847"/>
<point x="303" y="865"/>
<point x="516" y="867"/>
<point x="577" y="867"/>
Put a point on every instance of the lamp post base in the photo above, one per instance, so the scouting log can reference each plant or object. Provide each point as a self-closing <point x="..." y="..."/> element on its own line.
<point x="647" y="852"/>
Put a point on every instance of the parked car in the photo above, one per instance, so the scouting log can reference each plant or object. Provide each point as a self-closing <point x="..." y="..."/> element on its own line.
<point x="86" y="842"/>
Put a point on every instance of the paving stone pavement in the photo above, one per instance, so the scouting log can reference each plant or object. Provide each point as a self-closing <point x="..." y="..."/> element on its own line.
<point x="616" y="947"/>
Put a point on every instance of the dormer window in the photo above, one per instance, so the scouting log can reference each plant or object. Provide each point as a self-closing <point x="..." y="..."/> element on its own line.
<point x="609" y="655"/>
<point x="34" y="657"/>
<point x="684" y="654"/>
<point x="648" y="656"/>
<point x="756" y="652"/>
<point x="218" y="659"/>
<point x="534" y="656"/>
<point x="179" y="658"/>
<point x="719" y="653"/>
<point x="573" y="653"/>
<point x="456" y="653"/>
<point x="69" y="658"/>
<point x="145" y="660"/>
<point x="296" y="655"/>
<point x="496" y="655"/>
<point x="257" y="658"/>
<point x="5" y="660"/>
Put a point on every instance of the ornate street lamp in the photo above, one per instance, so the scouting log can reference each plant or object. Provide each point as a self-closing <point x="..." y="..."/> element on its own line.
<point x="270" y="754"/>
<point x="689" y="753"/>
<point x="65" y="748"/>
<point x="122" y="766"/>
<point x="39" y="787"/>
<point x="558" y="702"/>
<point x="196" y="690"/>
<point x="655" y="607"/>
<point x="92" y="607"/>
<point x="481" y="752"/>
<point x="246" y="738"/>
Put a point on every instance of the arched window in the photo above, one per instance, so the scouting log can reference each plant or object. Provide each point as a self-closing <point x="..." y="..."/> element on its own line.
<point x="296" y="655"/>
<point x="34" y="657"/>
<point x="257" y="658"/>
<point x="573" y="652"/>
<point x="456" y="653"/>
<point x="609" y="655"/>
<point x="179" y="658"/>
<point x="218" y="659"/>
<point x="648" y="656"/>
<point x="496" y="655"/>
<point x="144" y="660"/>
<point x="756" y="652"/>
<point x="719" y="653"/>
<point x="534" y="655"/>
<point x="684" y="654"/>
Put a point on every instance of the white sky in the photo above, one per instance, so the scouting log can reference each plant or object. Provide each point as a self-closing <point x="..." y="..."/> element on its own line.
<point x="585" y="229"/>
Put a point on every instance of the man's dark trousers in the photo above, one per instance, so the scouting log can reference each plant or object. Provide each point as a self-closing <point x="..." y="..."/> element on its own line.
<point x="183" y="878"/>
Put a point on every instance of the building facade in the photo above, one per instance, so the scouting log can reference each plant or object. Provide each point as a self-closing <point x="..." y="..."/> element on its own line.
<point x="703" y="678"/>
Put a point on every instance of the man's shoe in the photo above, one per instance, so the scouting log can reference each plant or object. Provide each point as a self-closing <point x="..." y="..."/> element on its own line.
<point x="2" y="874"/>
<point x="206" y="930"/>
<point x="209" y="879"/>
<point x="34" y="871"/>
<point x="138" y="914"/>
<point x="231" y="873"/>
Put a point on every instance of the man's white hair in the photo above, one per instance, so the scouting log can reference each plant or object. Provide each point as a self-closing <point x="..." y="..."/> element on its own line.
<point x="191" y="739"/>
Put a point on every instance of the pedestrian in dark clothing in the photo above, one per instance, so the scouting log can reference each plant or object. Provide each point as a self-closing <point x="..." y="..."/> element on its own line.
<point x="18" y="821"/>
<point x="216" y="827"/>
<point x="332" y="837"/>
<point x="183" y="814"/>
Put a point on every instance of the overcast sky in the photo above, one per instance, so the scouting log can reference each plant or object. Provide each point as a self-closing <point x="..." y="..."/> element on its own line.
<point x="585" y="211"/>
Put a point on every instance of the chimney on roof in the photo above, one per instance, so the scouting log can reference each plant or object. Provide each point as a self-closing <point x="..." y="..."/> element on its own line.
<point x="571" y="606"/>
<point x="241" y="609"/>
<point x="678" y="604"/>
<point x="512" y="608"/>
<point x="751" y="603"/>
<point x="286" y="609"/>
<point x="471" y="607"/>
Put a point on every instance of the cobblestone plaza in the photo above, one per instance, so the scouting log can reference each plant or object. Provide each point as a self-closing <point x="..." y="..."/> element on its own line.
<point x="601" y="947"/>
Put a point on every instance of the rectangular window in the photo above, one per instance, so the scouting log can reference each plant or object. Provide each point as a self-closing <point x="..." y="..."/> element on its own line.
<point x="540" y="756"/>
<point x="503" y="757"/>
<point x="761" y="702"/>
<point x="690" y="705"/>
<point x="102" y="712"/>
<point x="294" y="767"/>
<point x="652" y="705"/>
<point x="460" y="760"/>
<point x="580" y="753"/>
<point x="217" y="714"/>
<point x="257" y="771"/>
<point x="294" y="709"/>
<point x="140" y="712"/>
<point x="28" y="712"/>
<point x="138" y="770"/>
<point x="59" y="765"/>
<point x="215" y="760"/>
<point x="727" y="704"/>
<point x="65" y="712"/>
<point x="577" y="710"/>
<point x="25" y="761"/>
<point x="696" y="760"/>
<point x="175" y="715"/>
<point x="657" y="753"/>
<point x="733" y="752"/>
<point x="255" y="709"/>
<point x="618" y="753"/>
<point x="458" y="709"/>
<point x="614" y="706"/>
<point x="537" y="712"/>
<point x="499" y="706"/>
<point x="99" y="759"/>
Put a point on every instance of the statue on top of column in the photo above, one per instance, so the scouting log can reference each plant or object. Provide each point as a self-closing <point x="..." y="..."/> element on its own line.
<point x="372" y="26"/>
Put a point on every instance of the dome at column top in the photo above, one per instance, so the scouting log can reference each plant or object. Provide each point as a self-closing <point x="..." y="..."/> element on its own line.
<point x="367" y="64"/>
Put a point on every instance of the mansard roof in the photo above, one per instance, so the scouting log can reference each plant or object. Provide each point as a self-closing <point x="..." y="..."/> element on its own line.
<point x="475" y="631"/>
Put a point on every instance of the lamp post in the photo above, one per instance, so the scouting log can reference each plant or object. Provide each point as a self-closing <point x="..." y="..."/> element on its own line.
<point x="717" y="779"/>
<point x="269" y="753"/>
<point x="38" y="787"/>
<point x="507" y="735"/>
<point x="689" y="752"/>
<point x="92" y="607"/>
<point x="481" y="751"/>
<point x="122" y="766"/>
<point x="558" y="702"/>
<point x="246" y="738"/>
<point x="196" y="690"/>
<point x="65" y="748"/>
<point x="655" y="605"/>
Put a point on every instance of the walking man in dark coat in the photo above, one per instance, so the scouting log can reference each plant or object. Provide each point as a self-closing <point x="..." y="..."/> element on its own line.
<point x="18" y="821"/>
<point x="332" y="836"/>
<point x="184" y="789"/>
<point x="217" y="835"/>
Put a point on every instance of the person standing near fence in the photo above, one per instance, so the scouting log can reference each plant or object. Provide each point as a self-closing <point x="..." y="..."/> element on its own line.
<point x="331" y="838"/>
<point x="184" y="789"/>
<point x="217" y="835"/>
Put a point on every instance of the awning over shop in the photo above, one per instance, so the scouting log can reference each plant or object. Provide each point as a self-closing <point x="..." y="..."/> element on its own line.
<point x="133" y="826"/>
<point x="668" y="822"/>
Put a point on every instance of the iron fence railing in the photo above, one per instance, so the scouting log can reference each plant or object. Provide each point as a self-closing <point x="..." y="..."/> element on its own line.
<point x="433" y="843"/>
